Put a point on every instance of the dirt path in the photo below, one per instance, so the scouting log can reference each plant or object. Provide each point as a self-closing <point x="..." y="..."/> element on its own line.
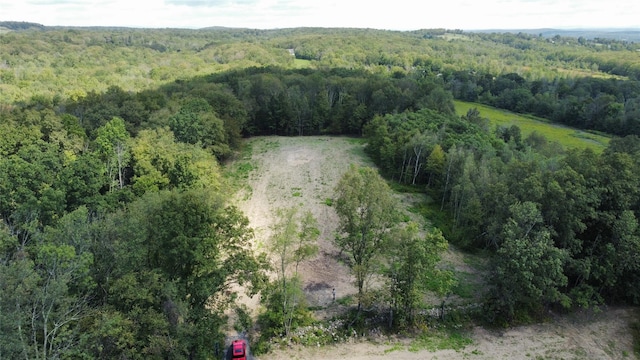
<point x="303" y="171"/>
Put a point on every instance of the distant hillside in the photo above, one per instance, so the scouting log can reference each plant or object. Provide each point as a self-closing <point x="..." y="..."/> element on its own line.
<point x="20" y="25"/>
<point x="632" y="35"/>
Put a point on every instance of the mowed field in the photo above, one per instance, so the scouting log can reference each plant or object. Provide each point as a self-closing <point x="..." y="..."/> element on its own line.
<point x="278" y="172"/>
<point x="568" y="137"/>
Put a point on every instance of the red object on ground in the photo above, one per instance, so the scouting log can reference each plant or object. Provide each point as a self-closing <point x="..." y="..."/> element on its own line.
<point x="239" y="350"/>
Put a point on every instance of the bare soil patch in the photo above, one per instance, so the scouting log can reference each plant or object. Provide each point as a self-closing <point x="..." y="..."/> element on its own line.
<point x="303" y="171"/>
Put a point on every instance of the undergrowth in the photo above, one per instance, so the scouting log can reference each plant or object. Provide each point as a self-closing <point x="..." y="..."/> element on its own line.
<point x="635" y="332"/>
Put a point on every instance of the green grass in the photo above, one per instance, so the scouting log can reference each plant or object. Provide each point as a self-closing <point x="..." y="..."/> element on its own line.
<point x="394" y="347"/>
<point x="635" y="333"/>
<point x="466" y="287"/>
<point x="440" y="340"/>
<point x="566" y="136"/>
<point x="301" y="64"/>
<point x="345" y="300"/>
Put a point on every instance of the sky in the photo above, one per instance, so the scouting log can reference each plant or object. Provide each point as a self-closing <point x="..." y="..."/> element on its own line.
<point x="272" y="14"/>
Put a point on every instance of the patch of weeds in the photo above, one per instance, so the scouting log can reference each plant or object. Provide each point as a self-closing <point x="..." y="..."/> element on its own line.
<point x="465" y="286"/>
<point x="477" y="352"/>
<point x="406" y="188"/>
<point x="420" y="209"/>
<point x="321" y="333"/>
<point x="328" y="201"/>
<point x="244" y="169"/>
<point x="297" y="192"/>
<point x="261" y="346"/>
<point x="394" y="347"/>
<point x="315" y="308"/>
<point x="582" y="353"/>
<point x="437" y="218"/>
<point x="440" y="340"/>
<point x="240" y="171"/>
<point x="611" y="348"/>
<point x="477" y="260"/>
<point x="635" y="332"/>
<point x="269" y="145"/>
<point x="345" y="300"/>
<point x="243" y="321"/>
<point x="358" y="149"/>
<point x="356" y="140"/>
<point x="237" y="174"/>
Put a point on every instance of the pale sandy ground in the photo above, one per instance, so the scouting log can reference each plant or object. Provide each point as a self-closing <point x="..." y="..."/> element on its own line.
<point x="303" y="171"/>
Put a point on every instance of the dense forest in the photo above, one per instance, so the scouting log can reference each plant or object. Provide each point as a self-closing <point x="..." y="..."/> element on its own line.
<point x="117" y="238"/>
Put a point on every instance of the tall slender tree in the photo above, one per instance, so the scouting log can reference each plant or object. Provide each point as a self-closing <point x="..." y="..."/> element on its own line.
<point x="367" y="212"/>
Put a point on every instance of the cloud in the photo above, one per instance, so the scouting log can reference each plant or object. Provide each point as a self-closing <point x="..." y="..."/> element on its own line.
<point x="209" y="3"/>
<point x="55" y="2"/>
<point x="264" y="14"/>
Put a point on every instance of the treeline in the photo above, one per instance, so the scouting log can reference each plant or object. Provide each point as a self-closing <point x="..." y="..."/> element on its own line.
<point x="20" y="25"/>
<point x="607" y="105"/>
<point x="216" y="110"/>
<point x="562" y="225"/>
<point x="277" y="101"/>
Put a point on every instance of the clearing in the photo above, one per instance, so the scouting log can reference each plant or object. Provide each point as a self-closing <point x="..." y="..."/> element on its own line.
<point x="567" y="136"/>
<point x="281" y="172"/>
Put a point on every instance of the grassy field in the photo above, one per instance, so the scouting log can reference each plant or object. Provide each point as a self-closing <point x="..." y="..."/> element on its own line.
<point x="301" y="64"/>
<point x="568" y="137"/>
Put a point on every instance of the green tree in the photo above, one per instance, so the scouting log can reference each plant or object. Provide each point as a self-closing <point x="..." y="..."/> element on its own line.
<point x="367" y="211"/>
<point x="197" y="123"/>
<point x="166" y="265"/>
<point x="27" y="186"/>
<point x="528" y="267"/>
<point x="18" y="284"/>
<point x="411" y="270"/>
<point x="201" y="246"/>
<point x="112" y="140"/>
<point x="434" y="166"/>
<point x="159" y="163"/>
<point x="83" y="180"/>
<point x="45" y="289"/>
<point x="293" y="240"/>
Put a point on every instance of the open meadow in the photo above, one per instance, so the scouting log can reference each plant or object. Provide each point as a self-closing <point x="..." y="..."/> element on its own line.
<point x="568" y="137"/>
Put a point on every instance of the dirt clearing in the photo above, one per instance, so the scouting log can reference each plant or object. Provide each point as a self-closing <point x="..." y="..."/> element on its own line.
<point x="302" y="171"/>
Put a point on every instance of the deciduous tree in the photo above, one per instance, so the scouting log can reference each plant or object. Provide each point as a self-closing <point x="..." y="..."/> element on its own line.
<point x="367" y="212"/>
<point x="293" y="240"/>
<point x="411" y="270"/>
<point x="528" y="267"/>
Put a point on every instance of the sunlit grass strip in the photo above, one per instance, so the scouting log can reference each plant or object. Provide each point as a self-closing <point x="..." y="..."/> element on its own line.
<point x="301" y="64"/>
<point x="568" y="137"/>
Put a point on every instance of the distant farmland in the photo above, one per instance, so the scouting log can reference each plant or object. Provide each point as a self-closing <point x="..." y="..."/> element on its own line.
<point x="568" y="137"/>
